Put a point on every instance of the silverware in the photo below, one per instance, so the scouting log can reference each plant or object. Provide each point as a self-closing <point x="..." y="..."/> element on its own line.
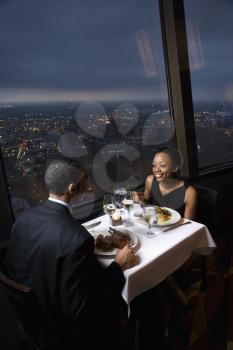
<point x="112" y="230"/>
<point x="88" y="227"/>
<point x="175" y="226"/>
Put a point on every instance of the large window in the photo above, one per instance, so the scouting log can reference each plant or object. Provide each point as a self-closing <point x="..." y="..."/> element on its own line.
<point x="84" y="80"/>
<point x="210" y="31"/>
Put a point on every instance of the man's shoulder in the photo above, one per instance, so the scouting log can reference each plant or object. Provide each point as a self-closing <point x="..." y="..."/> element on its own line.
<point x="27" y="213"/>
<point x="45" y="210"/>
<point x="77" y="232"/>
<point x="67" y="230"/>
<point x="58" y="222"/>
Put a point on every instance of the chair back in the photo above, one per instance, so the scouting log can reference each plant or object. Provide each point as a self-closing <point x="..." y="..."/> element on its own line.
<point x="42" y="334"/>
<point x="3" y="251"/>
<point x="23" y="308"/>
<point x="206" y="206"/>
<point x="27" y="312"/>
<point x="12" y="335"/>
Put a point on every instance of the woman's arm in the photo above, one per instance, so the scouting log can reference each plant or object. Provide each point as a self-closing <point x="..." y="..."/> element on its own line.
<point x="190" y="202"/>
<point x="147" y="190"/>
<point x="145" y="196"/>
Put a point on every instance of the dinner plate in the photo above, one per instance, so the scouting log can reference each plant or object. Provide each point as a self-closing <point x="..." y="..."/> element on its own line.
<point x="112" y="253"/>
<point x="173" y="220"/>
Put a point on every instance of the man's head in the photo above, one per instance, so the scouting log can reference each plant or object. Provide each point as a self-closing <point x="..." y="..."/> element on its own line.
<point x="62" y="177"/>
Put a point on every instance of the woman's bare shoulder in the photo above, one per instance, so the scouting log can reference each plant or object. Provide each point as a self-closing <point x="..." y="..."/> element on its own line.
<point x="150" y="178"/>
<point x="191" y="192"/>
<point x="191" y="189"/>
<point x="149" y="181"/>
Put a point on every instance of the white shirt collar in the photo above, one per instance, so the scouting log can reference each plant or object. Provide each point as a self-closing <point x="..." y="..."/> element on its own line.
<point x="59" y="201"/>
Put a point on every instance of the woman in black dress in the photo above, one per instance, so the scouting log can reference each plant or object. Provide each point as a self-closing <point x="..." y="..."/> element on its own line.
<point x="165" y="188"/>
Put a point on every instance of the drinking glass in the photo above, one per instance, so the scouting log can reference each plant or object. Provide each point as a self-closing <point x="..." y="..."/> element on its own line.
<point x="128" y="203"/>
<point x="149" y="214"/>
<point x="109" y="206"/>
<point x="120" y="194"/>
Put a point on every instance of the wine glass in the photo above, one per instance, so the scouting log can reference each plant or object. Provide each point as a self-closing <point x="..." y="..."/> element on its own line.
<point x="149" y="214"/>
<point x="128" y="203"/>
<point x="120" y="194"/>
<point x="109" y="206"/>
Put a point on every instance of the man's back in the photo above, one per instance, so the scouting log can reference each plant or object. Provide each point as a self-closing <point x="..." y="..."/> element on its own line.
<point x="43" y="240"/>
<point x="53" y="254"/>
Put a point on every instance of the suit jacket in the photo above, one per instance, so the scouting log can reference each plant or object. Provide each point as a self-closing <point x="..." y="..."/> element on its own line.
<point x="53" y="254"/>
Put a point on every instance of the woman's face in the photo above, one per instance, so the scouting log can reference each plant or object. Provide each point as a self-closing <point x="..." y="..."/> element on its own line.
<point x="162" y="166"/>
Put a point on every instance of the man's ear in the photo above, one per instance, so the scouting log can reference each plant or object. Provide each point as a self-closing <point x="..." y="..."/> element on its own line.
<point x="71" y="188"/>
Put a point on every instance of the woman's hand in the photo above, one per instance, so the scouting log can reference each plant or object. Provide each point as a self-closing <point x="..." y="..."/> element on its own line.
<point x="138" y="197"/>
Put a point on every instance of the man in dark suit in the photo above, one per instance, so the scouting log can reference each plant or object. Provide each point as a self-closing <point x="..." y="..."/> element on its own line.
<point x="53" y="254"/>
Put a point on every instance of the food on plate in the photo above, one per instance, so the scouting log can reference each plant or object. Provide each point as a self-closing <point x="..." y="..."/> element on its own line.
<point x="116" y="218"/>
<point x="163" y="215"/>
<point x="119" y="238"/>
<point x="116" y="239"/>
<point x="104" y="243"/>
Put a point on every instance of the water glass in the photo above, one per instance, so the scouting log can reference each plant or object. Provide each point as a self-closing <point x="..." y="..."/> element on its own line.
<point x="120" y="194"/>
<point x="128" y="203"/>
<point x="149" y="214"/>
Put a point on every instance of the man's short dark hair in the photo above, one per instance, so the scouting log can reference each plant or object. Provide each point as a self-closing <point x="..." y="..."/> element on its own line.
<point x="59" y="174"/>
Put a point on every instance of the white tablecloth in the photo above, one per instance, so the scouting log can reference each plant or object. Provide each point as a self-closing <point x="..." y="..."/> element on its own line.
<point x="159" y="256"/>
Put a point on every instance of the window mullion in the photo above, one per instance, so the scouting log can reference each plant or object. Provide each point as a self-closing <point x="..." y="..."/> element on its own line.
<point x="179" y="83"/>
<point x="6" y="214"/>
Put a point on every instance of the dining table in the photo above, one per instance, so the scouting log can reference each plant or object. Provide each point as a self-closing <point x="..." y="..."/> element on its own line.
<point x="158" y="256"/>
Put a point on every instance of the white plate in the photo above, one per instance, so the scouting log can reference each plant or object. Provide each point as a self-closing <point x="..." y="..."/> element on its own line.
<point x="134" y="242"/>
<point x="174" y="219"/>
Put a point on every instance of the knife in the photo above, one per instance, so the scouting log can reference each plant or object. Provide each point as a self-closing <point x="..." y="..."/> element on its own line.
<point x="88" y="227"/>
<point x="178" y="225"/>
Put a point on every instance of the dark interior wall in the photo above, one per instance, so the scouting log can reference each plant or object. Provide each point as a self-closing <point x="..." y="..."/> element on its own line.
<point x="222" y="182"/>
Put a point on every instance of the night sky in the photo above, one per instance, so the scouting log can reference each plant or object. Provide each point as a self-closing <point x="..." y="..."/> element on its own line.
<point x="107" y="50"/>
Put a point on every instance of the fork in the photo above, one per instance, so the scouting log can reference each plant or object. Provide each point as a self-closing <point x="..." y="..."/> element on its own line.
<point x="112" y="230"/>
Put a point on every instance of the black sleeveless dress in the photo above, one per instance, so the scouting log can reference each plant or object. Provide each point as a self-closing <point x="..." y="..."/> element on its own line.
<point x="173" y="200"/>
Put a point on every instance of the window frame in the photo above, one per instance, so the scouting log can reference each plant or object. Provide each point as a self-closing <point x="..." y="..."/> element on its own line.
<point x="179" y="82"/>
<point x="6" y="212"/>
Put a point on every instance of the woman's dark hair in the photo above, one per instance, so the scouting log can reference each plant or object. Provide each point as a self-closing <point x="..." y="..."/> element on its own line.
<point x="59" y="174"/>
